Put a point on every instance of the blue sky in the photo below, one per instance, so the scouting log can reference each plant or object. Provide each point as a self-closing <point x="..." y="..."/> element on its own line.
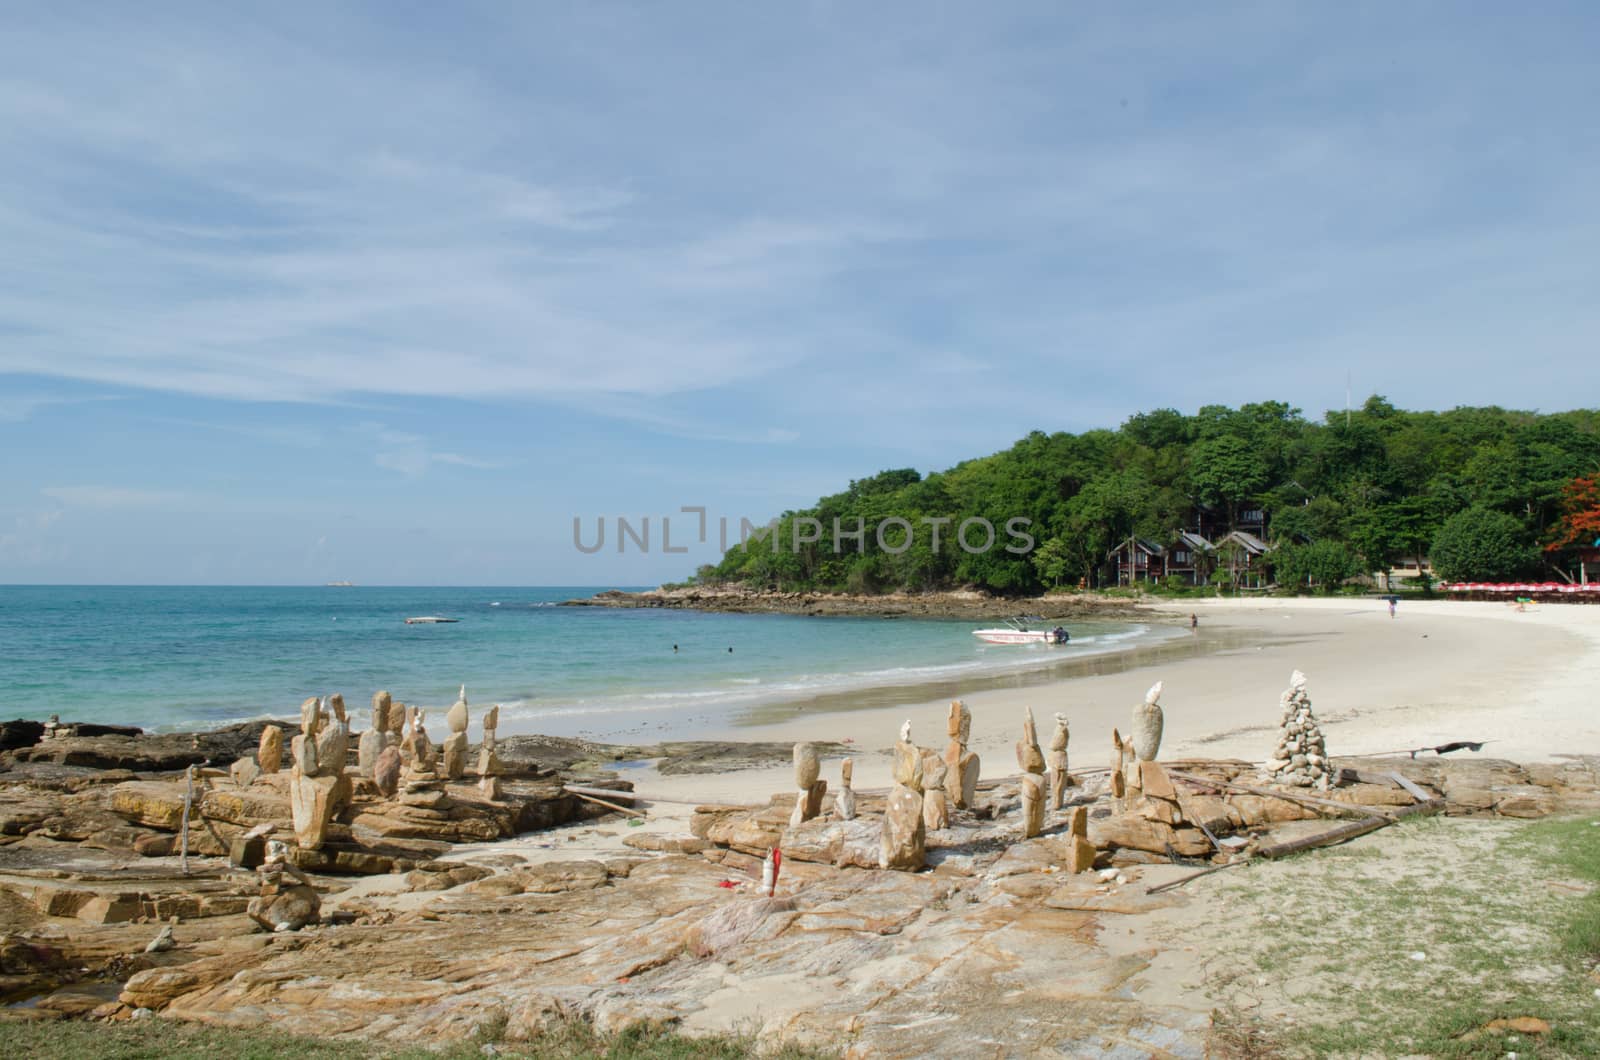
<point x="392" y="292"/>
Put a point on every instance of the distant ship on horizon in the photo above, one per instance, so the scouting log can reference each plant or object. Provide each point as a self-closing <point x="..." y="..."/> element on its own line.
<point x="341" y="585"/>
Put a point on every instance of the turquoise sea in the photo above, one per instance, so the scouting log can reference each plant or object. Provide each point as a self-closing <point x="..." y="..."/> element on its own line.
<point x="168" y="658"/>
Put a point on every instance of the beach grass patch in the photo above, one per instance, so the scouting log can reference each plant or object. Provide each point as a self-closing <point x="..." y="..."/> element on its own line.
<point x="1451" y="938"/>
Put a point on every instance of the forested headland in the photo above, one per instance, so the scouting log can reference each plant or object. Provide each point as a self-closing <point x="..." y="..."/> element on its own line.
<point x="1485" y="493"/>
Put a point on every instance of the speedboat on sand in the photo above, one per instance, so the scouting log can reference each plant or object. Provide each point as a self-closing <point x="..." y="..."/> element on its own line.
<point x="1016" y="632"/>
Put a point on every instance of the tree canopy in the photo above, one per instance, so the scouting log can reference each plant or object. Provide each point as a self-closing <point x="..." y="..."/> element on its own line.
<point x="1348" y="493"/>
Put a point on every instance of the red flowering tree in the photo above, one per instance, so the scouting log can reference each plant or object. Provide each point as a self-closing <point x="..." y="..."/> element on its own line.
<point x="1579" y="524"/>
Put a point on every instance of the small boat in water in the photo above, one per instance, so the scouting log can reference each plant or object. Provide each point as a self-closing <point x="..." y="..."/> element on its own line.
<point x="1017" y="632"/>
<point x="429" y="620"/>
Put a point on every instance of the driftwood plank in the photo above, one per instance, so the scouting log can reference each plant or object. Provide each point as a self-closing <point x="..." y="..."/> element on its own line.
<point x="1181" y="880"/>
<point x="1347" y="831"/>
<point x="608" y="805"/>
<point x="1411" y="789"/>
<point x="1367" y="776"/>
<point x="635" y="796"/>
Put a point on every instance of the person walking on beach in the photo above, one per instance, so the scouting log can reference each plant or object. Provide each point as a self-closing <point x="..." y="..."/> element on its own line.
<point x="1194" y="623"/>
<point x="1391" y="606"/>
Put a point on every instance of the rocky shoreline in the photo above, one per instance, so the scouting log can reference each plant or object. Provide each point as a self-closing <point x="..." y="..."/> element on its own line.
<point x="413" y="923"/>
<point x="960" y="603"/>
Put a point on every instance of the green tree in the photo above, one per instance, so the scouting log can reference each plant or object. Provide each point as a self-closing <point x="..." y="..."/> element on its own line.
<point x="1482" y="545"/>
<point x="1323" y="565"/>
<point x="1052" y="560"/>
<point x="1226" y="470"/>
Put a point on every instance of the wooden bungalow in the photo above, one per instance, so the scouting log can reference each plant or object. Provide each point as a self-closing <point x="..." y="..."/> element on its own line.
<point x="1138" y="559"/>
<point x="1190" y="557"/>
<point x="1240" y="554"/>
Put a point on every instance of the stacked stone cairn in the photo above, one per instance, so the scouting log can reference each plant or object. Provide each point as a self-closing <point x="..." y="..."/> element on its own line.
<point x="1031" y="759"/>
<point x="390" y="761"/>
<point x="1125" y="782"/>
<point x="935" y="796"/>
<point x="1301" y="757"/>
<point x="489" y="765"/>
<point x="961" y="765"/>
<point x="269" y="752"/>
<point x="421" y="785"/>
<point x="807" y="779"/>
<point x="1139" y="784"/>
<point x="455" y="745"/>
<point x="376" y="738"/>
<point x="904" y="842"/>
<point x="844" y="803"/>
<point x="279" y="906"/>
<point x="1147" y="724"/>
<point x="416" y="750"/>
<point x="318" y="787"/>
<point x="1060" y="780"/>
<point x="386" y="770"/>
<point x="1080" y="852"/>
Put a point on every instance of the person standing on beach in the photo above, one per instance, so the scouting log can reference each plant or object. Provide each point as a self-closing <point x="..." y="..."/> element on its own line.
<point x="1391" y="607"/>
<point x="1194" y="623"/>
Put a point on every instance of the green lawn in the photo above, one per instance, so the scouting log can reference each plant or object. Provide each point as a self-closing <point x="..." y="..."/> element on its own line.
<point x="1414" y="947"/>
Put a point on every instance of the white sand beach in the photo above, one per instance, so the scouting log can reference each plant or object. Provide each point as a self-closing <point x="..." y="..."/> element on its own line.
<point x="1439" y="671"/>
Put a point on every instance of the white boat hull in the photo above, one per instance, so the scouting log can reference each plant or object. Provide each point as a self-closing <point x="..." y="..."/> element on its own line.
<point x="1017" y="636"/>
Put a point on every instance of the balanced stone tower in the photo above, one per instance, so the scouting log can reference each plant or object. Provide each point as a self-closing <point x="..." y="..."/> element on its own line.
<point x="961" y="765"/>
<point x="1301" y="757"/>
<point x="904" y="842"/>
<point x="317" y="784"/>
<point x="935" y="796"/>
<point x="269" y="753"/>
<point x="810" y="788"/>
<point x="1147" y="725"/>
<point x="455" y="745"/>
<point x="1059" y="778"/>
<point x="376" y="738"/>
<point x="1031" y="759"/>
<point x="844" y="804"/>
<point x="489" y="767"/>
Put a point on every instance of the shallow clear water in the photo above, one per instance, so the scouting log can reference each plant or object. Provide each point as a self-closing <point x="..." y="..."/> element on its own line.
<point x="176" y="657"/>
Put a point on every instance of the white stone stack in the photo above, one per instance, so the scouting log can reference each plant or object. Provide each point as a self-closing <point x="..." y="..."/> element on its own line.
<point x="1301" y="757"/>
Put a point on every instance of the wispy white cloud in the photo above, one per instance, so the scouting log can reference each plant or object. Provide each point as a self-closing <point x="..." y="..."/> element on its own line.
<point x="18" y="408"/>
<point x="903" y="230"/>
<point x="412" y="454"/>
